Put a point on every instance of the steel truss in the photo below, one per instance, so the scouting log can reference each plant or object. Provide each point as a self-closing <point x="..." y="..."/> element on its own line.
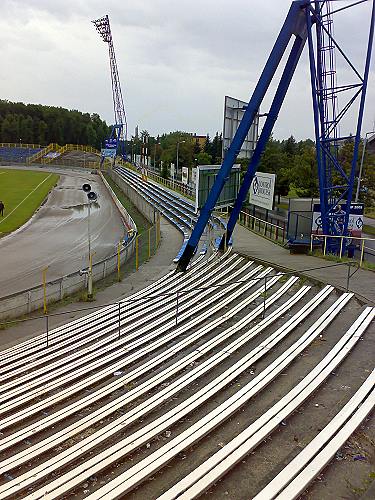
<point x="303" y="19"/>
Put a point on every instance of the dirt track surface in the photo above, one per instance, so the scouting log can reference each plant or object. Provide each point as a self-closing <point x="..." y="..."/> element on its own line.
<point x="56" y="236"/>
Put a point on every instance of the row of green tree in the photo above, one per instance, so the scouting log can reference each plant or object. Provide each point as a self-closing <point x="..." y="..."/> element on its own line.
<point x="164" y="149"/>
<point x="38" y="124"/>
<point x="294" y="163"/>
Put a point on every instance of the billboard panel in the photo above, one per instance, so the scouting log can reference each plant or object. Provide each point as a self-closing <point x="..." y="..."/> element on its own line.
<point x="355" y="219"/>
<point x="111" y="143"/>
<point x="234" y="110"/>
<point x="194" y="176"/>
<point x="262" y="190"/>
<point x="184" y="175"/>
<point x="205" y="178"/>
<point x="108" y="152"/>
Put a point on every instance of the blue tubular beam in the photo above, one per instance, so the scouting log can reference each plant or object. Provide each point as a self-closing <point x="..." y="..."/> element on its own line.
<point x="281" y="91"/>
<point x="291" y="26"/>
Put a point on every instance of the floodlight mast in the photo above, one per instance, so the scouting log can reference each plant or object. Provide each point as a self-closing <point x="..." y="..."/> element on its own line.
<point x="120" y="128"/>
<point x="302" y="17"/>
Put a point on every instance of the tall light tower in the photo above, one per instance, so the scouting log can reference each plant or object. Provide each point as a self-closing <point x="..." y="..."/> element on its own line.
<point x="120" y="128"/>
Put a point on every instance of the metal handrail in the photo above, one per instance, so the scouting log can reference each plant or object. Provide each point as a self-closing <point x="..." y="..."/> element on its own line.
<point x="180" y="293"/>
<point x="341" y="237"/>
<point x="266" y="223"/>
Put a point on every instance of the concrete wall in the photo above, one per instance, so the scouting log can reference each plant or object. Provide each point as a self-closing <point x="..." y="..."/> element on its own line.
<point x="142" y="205"/>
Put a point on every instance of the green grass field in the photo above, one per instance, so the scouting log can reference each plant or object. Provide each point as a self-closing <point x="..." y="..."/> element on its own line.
<point x="22" y="192"/>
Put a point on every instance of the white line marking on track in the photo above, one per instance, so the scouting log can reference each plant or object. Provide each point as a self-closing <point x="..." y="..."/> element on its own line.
<point x="20" y="203"/>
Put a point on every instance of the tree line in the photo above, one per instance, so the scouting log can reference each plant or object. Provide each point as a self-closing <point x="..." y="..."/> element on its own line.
<point x="162" y="150"/>
<point x="296" y="168"/>
<point x="38" y="124"/>
<point x="293" y="162"/>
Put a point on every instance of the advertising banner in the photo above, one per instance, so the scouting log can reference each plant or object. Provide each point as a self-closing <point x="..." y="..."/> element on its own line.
<point x="185" y="175"/>
<point x="111" y="143"/>
<point x="108" y="152"/>
<point x="355" y="219"/>
<point x="194" y="176"/>
<point x="262" y="190"/>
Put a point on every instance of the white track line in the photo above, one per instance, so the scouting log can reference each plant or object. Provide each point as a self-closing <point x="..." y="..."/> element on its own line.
<point x="20" y="203"/>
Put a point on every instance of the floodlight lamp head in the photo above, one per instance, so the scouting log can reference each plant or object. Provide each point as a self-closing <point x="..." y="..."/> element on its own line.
<point x="103" y="28"/>
<point x="92" y="196"/>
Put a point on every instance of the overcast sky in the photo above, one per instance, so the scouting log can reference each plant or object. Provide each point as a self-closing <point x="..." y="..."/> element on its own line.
<point x="177" y="59"/>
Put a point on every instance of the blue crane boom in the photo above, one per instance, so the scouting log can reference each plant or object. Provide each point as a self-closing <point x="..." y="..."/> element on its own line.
<point x="303" y="15"/>
<point x="119" y="130"/>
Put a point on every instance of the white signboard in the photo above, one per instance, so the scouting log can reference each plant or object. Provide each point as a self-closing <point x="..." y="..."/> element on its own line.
<point x="185" y="175"/>
<point x="194" y="176"/>
<point x="172" y="170"/>
<point x="262" y="190"/>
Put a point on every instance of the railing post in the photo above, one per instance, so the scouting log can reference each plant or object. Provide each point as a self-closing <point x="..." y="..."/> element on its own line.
<point x="264" y="297"/>
<point x="119" y="320"/>
<point x="362" y="252"/>
<point x="341" y="243"/>
<point x="118" y="261"/>
<point x="176" y="307"/>
<point x="348" y="276"/>
<point x="47" y="328"/>
<point x="136" y="253"/>
<point x="45" y="290"/>
<point x="325" y="245"/>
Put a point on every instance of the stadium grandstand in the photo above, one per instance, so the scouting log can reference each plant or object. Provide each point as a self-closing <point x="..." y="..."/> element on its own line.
<point x="18" y="153"/>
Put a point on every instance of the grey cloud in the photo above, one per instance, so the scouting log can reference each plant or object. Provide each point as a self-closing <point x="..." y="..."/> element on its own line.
<point x="177" y="59"/>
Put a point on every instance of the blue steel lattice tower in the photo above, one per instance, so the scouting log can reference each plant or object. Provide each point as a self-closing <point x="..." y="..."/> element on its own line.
<point x="336" y="184"/>
<point x="120" y="129"/>
<point x="305" y="17"/>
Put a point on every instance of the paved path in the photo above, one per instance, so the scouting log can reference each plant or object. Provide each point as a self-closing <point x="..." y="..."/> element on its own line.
<point x="57" y="235"/>
<point x="369" y="221"/>
<point x="248" y="243"/>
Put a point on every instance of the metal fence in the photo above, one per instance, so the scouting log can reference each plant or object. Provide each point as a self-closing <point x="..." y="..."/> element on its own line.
<point x="128" y="258"/>
<point x="343" y="242"/>
<point x="137" y="250"/>
<point x="121" y="306"/>
<point x="267" y="228"/>
<point x="31" y="299"/>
